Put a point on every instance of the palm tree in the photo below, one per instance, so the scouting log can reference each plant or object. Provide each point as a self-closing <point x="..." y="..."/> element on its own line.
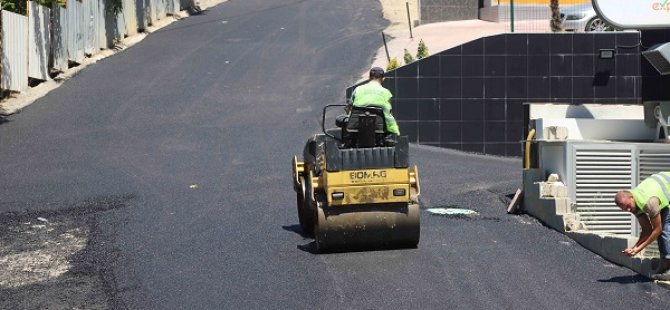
<point x="555" y="16"/>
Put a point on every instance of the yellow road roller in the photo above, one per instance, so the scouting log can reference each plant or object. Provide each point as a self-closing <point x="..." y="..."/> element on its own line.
<point x="355" y="189"/>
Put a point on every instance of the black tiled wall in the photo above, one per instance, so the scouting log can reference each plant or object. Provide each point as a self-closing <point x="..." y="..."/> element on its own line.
<point x="471" y="97"/>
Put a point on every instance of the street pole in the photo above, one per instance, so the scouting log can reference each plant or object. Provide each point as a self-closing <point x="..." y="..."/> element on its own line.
<point x="409" y="21"/>
<point x="388" y="57"/>
<point x="511" y="14"/>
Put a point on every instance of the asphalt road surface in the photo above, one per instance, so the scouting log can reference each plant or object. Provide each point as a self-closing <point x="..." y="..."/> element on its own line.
<point x="175" y="156"/>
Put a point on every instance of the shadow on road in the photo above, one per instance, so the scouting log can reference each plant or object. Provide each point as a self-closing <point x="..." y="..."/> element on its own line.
<point x="627" y="279"/>
<point x="309" y="248"/>
<point x="296" y="229"/>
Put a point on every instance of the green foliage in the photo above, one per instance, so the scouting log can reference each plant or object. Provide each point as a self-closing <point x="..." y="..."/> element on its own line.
<point x="113" y="7"/>
<point x="422" y="50"/>
<point x="21" y="6"/>
<point x="16" y="6"/>
<point x="408" y="57"/>
<point x="392" y="64"/>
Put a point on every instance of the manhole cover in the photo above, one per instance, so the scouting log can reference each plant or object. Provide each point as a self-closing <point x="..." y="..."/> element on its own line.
<point x="454" y="212"/>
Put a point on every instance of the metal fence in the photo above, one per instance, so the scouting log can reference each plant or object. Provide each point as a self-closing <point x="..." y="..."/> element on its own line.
<point x="14" y="51"/>
<point x="38" y="41"/>
<point x="59" y="25"/>
<point x="52" y="38"/>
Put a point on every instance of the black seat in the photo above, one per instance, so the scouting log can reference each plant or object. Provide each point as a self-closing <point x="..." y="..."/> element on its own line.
<point x="365" y="127"/>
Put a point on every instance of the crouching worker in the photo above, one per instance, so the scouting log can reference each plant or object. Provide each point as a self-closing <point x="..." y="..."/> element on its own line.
<point x="649" y="202"/>
<point x="373" y="94"/>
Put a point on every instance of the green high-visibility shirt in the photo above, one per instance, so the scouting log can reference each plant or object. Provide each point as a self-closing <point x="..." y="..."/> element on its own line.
<point x="657" y="185"/>
<point x="373" y="94"/>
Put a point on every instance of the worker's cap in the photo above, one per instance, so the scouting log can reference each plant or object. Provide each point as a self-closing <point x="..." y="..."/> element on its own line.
<point x="376" y="72"/>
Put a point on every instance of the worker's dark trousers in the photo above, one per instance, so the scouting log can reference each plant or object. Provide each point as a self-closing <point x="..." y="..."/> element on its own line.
<point x="664" y="238"/>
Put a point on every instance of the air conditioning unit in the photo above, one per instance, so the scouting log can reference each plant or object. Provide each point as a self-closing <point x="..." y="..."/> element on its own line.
<point x="659" y="57"/>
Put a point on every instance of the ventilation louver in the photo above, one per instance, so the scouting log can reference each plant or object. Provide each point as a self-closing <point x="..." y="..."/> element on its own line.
<point x="599" y="174"/>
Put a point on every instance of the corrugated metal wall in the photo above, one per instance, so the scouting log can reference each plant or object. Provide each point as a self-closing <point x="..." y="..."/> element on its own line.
<point x="59" y="38"/>
<point x="102" y="27"/>
<point x="143" y="13"/>
<point x="130" y="16"/>
<point x="91" y="29"/>
<point x="14" y="51"/>
<point x="75" y="33"/>
<point x="152" y="12"/>
<point x="173" y="6"/>
<point x="39" y="40"/>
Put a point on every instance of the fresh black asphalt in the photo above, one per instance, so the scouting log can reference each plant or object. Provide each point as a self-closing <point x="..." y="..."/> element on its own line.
<point x="182" y="145"/>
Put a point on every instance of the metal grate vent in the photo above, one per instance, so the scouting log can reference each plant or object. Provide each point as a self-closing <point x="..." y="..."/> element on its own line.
<point x="599" y="174"/>
<point x="651" y="162"/>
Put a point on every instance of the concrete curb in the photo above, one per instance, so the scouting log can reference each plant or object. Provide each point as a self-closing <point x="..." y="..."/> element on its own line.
<point x="556" y="213"/>
<point x="15" y="103"/>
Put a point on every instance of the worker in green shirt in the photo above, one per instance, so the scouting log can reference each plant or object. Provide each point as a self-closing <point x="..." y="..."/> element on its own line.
<point x="373" y="94"/>
<point x="649" y="202"/>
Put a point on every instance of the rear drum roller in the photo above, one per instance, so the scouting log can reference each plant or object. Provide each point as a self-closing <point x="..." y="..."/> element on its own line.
<point x="366" y="226"/>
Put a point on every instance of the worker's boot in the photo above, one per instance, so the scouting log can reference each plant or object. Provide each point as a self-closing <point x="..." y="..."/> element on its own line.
<point x="664" y="274"/>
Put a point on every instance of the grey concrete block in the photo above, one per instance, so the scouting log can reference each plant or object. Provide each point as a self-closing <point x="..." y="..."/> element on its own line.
<point x="591" y="241"/>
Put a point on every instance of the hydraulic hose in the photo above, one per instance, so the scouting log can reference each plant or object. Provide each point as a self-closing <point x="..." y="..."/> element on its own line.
<point x="531" y="136"/>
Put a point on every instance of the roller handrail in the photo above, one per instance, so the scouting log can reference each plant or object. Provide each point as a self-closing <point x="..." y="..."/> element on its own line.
<point x="323" y="120"/>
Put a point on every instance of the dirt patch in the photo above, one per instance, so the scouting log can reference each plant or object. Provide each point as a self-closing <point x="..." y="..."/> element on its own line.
<point x="51" y="259"/>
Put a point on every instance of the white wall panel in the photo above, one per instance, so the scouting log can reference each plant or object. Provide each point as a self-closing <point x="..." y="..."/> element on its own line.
<point x="14" y="51"/>
<point x="38" y="41"/>
<point x="59" y="38"/>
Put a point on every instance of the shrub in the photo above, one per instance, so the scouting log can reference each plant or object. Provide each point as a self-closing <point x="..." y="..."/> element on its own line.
<point x="392" y="64"/>
<point x="422" y="50"/>
<point x="408" y="57"/>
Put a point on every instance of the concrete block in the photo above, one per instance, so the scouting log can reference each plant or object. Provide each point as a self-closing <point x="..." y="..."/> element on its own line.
<point x="612" y="247"/>
<point x="563" y="205"/>
<point x="531" y="192"/>
<point x="647" y="267"/>
<point x="553" y="178"/>
<point x="636" y="264"/>
<point x="555" y="189"/>
<point x="573" y="223"/>
<point x="555" y="133"/>
<point x="591" y="241"/>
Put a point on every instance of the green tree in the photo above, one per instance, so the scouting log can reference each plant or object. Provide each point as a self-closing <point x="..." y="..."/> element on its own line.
<point x="392" y="64"/>
<point x="408" y="57"/>
<point x="422" y="50"/>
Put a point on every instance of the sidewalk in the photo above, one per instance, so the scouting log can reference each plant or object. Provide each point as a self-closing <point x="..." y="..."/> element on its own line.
<point x="437" y="36"/>
<point x="15" y="102"/>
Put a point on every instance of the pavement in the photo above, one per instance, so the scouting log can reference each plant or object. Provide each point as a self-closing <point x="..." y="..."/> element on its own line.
<point x="169" y="164"/>
<point x="437" y="36"/>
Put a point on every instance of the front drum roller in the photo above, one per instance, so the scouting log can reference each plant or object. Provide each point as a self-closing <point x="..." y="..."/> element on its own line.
<point x="367" y="226"/>
<point x="305" y="210"/>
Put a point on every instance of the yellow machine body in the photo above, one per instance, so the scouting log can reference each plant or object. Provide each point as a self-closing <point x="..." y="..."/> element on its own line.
<point x="362" y="208"/>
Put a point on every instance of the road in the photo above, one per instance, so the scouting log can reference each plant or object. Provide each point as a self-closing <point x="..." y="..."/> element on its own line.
<point x="174" y="155"/>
